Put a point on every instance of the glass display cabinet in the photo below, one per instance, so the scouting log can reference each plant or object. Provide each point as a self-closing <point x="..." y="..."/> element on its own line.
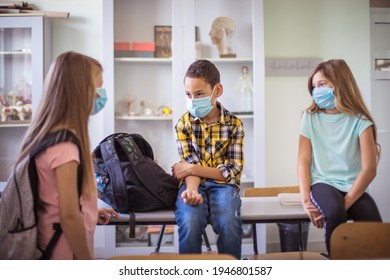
<point x="24" y="55"/>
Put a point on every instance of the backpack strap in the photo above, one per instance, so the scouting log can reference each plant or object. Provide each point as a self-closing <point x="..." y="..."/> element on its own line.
<point x="51" y="140"/>
<point x="132" y="225"/>
<point x="52" y="243"/>
<point x="113" y="164"/>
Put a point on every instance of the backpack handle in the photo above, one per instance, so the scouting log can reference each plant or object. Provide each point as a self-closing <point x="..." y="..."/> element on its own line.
<point x="146" y="149"/>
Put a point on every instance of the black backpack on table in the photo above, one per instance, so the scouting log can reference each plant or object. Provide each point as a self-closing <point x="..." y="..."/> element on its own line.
<point x="129" y="179"/>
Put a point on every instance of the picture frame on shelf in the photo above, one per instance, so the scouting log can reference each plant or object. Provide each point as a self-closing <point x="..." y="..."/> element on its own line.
<point x="163" y="41"/>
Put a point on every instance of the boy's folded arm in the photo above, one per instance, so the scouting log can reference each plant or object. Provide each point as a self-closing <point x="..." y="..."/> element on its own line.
<point x="207" y="172"/>
<point x="223" y="172"/>
<point x="192" y="182"/>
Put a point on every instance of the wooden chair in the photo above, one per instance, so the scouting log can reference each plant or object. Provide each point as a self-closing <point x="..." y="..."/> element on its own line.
<point x="269" y="191"/>
<point x="266" y="192"/>
<point x="360" y="240"/>
<point x="175" y="256"/>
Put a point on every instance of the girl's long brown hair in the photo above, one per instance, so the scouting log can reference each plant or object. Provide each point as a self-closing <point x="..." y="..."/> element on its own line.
<point x="348" y="98"/>
<point x="67" y="101"/>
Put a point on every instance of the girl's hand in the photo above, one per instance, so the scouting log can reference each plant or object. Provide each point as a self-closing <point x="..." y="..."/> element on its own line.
<point x="314" y="214"/>
<point x="105" y="214"/>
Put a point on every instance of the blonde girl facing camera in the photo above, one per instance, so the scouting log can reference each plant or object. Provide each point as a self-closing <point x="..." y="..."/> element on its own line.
<point x="71" y="93"/>
<point x="338" y="150"/>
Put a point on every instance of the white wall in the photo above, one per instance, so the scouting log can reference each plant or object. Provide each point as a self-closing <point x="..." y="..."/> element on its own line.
<point x="81" y="32"/>
<point x="326" y="29"/>
<point x="299" y="28"/>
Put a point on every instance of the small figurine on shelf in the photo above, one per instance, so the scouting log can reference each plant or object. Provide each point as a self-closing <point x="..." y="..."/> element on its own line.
<point x="221" y="32"/>
<point x="19" y="111"/>
<point x="147" y="111"/>
<point x="23" y="90"/>
<point x="11" y="99"/>
<point x="5" y="112"/>
<point x="246" y="90"/>
<point x="2" y="100"/>
<point x="164" y="111"/>
<point x="23" y="111"/>
<point x="198" y="44"/>
<point x="130" y="101"/>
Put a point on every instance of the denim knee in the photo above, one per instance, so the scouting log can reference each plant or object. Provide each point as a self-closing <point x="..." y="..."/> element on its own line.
<point x="225" y="208"/>
<point x="191" y="221"/>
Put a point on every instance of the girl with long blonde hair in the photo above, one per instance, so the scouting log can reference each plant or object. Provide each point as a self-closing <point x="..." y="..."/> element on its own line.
<point x="69" y="97"/>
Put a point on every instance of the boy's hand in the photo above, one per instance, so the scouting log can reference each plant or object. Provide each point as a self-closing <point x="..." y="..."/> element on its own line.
<point x="192" y="197"/>
<point x="181" y="170"/>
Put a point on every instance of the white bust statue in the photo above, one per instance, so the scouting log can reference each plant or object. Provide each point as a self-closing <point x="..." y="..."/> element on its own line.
<point x="221" y="32"/>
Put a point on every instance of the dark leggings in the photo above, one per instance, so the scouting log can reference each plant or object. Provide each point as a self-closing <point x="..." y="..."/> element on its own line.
<point x="330" y="201"/>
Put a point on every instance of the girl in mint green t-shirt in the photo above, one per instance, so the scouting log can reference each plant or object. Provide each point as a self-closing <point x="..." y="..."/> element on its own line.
<point x="338" y="150"/>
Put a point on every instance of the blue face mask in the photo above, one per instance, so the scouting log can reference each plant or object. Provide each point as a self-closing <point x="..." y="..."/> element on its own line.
<point x="100" y="100"/>
<point x="324" y="97"/>
<point x="199" y="107"/>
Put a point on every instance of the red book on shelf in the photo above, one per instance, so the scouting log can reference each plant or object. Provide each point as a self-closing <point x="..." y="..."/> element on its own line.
<point x="122" y="46"/>
<point x="144" y="46"/>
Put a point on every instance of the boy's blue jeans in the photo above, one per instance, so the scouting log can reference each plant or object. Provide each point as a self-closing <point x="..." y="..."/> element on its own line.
<point x="221" y="208"/>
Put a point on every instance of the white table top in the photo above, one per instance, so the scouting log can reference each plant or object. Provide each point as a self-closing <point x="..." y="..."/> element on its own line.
<point x="269" y="209"/>
<point x="253" y="209"/>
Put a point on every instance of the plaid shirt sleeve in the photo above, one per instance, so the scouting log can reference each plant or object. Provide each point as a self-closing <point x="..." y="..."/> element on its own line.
<point x="184" y="143"/>
<point x="233" y="164"/>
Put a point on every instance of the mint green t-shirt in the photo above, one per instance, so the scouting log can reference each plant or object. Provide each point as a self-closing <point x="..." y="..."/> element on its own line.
<point x="335" y="147"/>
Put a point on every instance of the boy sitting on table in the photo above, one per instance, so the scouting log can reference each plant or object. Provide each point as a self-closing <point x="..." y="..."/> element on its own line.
<point x="210" y="142"/>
